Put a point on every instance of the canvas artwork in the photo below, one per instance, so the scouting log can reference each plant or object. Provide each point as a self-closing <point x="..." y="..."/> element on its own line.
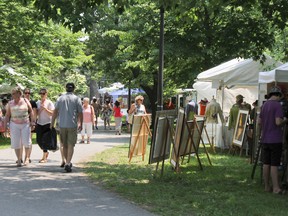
<point x="139" y="134"/>
<point x="241" y="123"/>
<point x="163" y="135"/>
<point x="177" y="139"/>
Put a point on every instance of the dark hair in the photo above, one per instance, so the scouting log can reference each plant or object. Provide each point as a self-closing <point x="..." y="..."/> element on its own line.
<point x="70" y="87"/>
<point x="43" y="89"/>
<point x="117" y="103"/>
<point x="278" y="94"/>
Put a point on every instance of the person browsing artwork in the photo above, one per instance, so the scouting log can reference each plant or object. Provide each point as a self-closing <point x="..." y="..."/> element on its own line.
<point x="138" y="107"/>
<point x="271" y="121"/>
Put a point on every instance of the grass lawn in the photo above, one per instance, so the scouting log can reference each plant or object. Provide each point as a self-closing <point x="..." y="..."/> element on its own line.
<point x="5" y="142"/>
<point x="225" y="188"/>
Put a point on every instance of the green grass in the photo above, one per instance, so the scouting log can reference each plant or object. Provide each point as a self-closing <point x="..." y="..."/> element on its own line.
<point x="225" y="188"/>
<point x="6" y="143"/>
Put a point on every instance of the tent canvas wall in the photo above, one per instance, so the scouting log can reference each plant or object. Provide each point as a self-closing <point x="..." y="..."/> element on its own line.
<point x="225" y="81"/>
<point x="237" y="76"/>
<point x="277" y="76"/>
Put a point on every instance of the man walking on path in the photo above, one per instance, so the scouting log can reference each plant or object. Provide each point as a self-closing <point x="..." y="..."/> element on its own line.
<point x="69" y="110"/>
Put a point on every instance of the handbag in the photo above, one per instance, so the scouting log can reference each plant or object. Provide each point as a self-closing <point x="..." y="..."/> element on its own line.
<point x="49" y="139"/>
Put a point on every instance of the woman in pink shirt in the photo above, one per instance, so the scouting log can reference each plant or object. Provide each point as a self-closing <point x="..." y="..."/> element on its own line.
<point x="18" y="111"/>
<point x="117" y="117"/>
<point x="88" y="120"/>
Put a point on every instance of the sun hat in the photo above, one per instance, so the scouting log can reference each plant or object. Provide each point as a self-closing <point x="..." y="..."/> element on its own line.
<point x="139" y="97"/>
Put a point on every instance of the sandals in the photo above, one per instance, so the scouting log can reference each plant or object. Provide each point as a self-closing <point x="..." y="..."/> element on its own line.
<point x="43" y="161"/>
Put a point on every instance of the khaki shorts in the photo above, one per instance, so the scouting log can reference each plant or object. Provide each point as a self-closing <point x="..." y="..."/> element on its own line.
<point x="68" y="136"/>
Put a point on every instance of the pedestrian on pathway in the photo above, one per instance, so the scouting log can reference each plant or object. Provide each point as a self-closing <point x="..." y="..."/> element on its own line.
<point x="117" y="117"/>
<point x="97" y="109"/>
<point x="69" y="109"/>
<point x="18" y="112"/>
<point x="106" y="114"/>
<point x="45" y="109"/>
<point x="27" y="95"/>
<point x="88" y="121"/>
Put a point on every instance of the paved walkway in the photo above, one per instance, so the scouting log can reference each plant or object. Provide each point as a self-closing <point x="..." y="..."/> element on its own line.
<point x="45" y="189"/>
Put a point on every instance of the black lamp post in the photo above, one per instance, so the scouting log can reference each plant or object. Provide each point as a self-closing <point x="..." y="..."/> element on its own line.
<point x="161" y="62"/>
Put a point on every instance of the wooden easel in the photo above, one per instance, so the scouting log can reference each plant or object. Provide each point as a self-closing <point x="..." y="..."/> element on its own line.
<point x="144" y="130"/>
<point x="208" y="138"/>
<point x="196" y="147"/>
<point x="191" y="125"/>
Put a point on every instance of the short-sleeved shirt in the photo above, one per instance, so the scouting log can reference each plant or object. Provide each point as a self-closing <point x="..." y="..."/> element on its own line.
<point x="43" y="117"/>
<point x="68" y="106"/>
<point x="117" y="111"/>
<point x="271" y="133"/>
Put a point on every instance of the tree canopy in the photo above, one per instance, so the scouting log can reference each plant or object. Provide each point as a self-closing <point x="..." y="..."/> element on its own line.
<point x="123" y="42"/>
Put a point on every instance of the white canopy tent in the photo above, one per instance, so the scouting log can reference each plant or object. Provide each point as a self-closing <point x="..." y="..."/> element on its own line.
<point x="225" y="81"/>
<point x="237" y="76"/>
<point x="278" y="76"/>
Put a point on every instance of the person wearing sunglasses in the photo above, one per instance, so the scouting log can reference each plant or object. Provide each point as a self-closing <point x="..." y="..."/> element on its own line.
<point x="18" y="112"/>
<point x="27" y="95"/>
<point x="45" y="108"/>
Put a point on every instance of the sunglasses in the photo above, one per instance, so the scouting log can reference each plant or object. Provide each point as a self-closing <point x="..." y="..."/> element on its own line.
<point x="42" y="93"/>
<point x="26" y="92"/>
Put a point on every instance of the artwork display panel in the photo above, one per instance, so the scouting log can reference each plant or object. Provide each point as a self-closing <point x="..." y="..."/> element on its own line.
<point x="240" y="128"/>
<point x="163" y="135"/>
<point x="139" y="134"/>
<point x="177" y="139"/>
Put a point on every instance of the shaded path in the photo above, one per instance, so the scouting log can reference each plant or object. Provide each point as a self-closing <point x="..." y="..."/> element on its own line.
<point x="45" y="189"/>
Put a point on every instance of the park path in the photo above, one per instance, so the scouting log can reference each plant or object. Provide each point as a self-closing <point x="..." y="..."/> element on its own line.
<point x="46" y="190"/>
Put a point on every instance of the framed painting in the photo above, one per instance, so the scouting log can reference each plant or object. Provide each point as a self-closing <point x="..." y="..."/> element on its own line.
<point x="240" y="128"/>
<point x="163" y="135"/>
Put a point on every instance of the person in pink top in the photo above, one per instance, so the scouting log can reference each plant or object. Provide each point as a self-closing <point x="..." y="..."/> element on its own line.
<point x="117" y="117"/>
<point x="18" y="111"/>
<point x="88" y="120"/>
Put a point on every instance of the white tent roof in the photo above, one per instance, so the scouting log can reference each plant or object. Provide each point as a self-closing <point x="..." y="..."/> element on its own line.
<point x="279" y="74"/>
<point x="240" y="72"/>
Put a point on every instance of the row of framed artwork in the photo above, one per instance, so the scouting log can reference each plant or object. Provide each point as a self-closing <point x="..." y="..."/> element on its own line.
<point x="185" y="138"/>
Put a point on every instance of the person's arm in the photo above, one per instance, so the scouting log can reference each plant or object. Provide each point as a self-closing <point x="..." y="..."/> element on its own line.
<point x="54" y="116"/>
<point x="80" y="118"/>
<point x="132" y="109"/>
<point x="7" y="116"/>
<point x="280" y="121"/>
<point x="49" y="109"/>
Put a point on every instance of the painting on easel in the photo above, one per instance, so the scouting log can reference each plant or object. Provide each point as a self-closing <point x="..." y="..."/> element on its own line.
<point x="178" y="138"/>
<point x="240" y="128"/>
<point x="139" y="135"/>
<point x="163" y="135"/>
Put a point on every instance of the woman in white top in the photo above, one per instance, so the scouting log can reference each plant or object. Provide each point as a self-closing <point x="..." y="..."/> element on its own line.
<point x="18" y="111"/>
<point x="88" y="120"/>
<point x="138" y="107"/>
<point x="45" y="109"/>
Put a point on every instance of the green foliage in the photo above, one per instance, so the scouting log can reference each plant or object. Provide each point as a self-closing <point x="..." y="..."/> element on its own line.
<point x="41" y="54"/>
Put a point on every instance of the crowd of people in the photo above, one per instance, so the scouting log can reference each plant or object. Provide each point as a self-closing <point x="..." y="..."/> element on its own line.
<point x="21" y="116"/>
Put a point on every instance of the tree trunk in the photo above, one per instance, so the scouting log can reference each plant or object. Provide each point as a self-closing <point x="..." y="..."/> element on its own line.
<point x="94" y="89"/>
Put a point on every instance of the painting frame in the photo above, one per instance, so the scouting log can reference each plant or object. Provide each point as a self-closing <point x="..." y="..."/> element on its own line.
<point x="240" y="128"/>
<point x="163" y="135"/>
